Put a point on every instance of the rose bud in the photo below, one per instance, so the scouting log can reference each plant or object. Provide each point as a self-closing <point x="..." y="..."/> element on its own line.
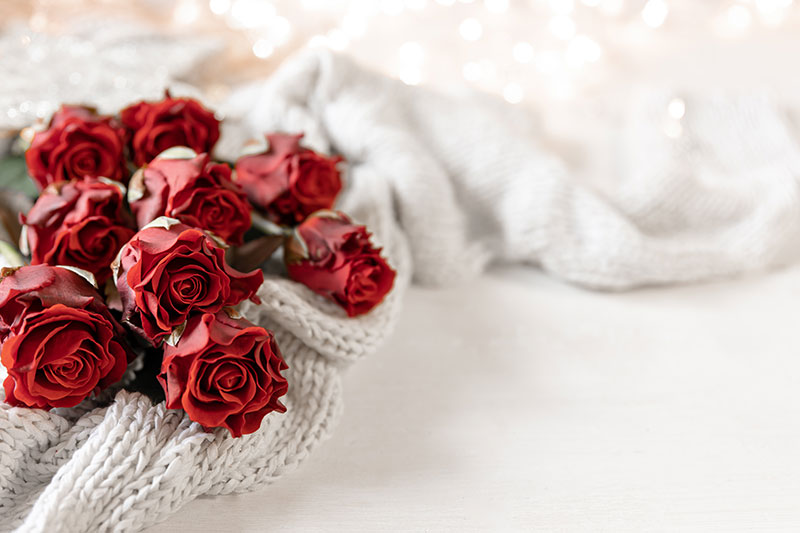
<point x="60" y="343"/>
<point x="189" y="187"/>
<point x="169" y="270"/>
<point x="224" y="372"/>
<point x="334" y="257"/>
<point x="156" y="126"/>
<point x="80" y="223"/>
<point x="77" y="143"/>
<point x="288" y="182"/>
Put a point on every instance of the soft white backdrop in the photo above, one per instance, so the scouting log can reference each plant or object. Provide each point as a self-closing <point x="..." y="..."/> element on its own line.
<point x="517" y="403"/>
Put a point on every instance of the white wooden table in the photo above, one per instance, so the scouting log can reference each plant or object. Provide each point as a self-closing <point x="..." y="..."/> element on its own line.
<point x="518" y="403"/>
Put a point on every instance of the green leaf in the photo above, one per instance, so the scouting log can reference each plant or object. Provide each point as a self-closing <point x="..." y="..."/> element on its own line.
<point x="253" y="254"/>
<point x="268" y="227"/>
<point x="14" y="176"/>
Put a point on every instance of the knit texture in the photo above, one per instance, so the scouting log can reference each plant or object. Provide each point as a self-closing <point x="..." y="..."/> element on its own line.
<point x="612" y="202"/>
<point x="447" y="183"/>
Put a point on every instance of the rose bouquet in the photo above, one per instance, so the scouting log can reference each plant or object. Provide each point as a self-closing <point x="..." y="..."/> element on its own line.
<point x="140" y="248"/>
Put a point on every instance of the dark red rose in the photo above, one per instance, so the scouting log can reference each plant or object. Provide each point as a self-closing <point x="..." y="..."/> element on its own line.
<point x="156" y="126"/>
<point x="169" y="270"/>
<point x="195" y="191"/>
<point x="81" y="223"/>
<point x="289" y="182"/>
<point x="59" y="342"/>
<point x="224" y="372"/>
<point x="334" y="257"/>
<point x="77" y="143"/>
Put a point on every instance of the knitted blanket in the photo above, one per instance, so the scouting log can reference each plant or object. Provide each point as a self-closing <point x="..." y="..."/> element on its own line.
<point x="448" y="183"/>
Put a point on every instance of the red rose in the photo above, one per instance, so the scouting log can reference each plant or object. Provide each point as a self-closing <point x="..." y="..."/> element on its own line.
<point x="289" y="182"/>
<point x="60" y="343"/>
<point x="224" y="372"/>
<point x="169" y="270"/>
<point x="156" y="126"/>
<point x="196" y="191"/>
<point x="81" y="223"/>
<point x="77" y="144"/>
<point x="333" y="257"/>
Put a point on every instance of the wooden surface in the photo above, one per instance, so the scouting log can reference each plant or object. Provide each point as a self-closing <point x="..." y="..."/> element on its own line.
<point x="517" y="403"/>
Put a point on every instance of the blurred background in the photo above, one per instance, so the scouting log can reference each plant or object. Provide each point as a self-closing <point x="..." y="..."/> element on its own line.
<point x="545" y="53"/>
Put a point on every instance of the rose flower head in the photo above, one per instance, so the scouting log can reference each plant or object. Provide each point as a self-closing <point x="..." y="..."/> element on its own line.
<point x="288" y="182"/>
<point x="80" y="223"/>
<point x="335" y="258"/>
<point x="76" y="144"/>
<point x="189" y="187"/>
<point x="224" y="372"/>
<point x="59" y="341"/>
<point x="169" y="270"/>
<point x="155" y="126"/>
